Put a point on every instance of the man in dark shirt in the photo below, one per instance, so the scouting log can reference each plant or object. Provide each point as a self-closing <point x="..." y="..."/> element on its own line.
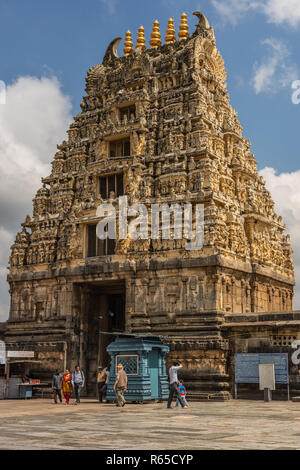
<point x="101" y="383"/>
<point x="56" y="386"/>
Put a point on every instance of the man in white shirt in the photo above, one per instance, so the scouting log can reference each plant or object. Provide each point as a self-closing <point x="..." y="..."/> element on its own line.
<point x="77" y="382"/>
<point x="174" y="384"/>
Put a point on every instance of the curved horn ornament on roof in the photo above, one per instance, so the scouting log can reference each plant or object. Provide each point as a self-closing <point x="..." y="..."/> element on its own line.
<point x="203" y="21"/>
<point x="111" y="52"/>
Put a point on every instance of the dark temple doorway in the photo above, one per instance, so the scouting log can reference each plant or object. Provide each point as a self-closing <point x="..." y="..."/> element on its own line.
<point x="103" y="309"/>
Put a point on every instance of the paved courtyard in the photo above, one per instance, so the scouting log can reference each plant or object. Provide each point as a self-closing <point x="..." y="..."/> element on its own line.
<point x="39" y="424"/>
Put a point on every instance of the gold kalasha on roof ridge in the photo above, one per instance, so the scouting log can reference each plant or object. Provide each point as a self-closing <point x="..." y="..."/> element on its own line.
<point x="170" y="33"/>
<point x="141" y="41"/>
<point x="128" y="44"/>
<point x="183" y="28"/>
<point x="155" y="40"/>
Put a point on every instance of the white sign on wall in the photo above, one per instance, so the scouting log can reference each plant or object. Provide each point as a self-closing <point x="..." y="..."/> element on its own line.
<point x="266" y="376"/>
<point x="20" y="353"/>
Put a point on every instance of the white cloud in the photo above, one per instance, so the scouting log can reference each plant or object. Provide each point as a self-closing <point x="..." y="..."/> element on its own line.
<point x="283" y="11"/>
<point x="285" y="191"/>
<point x="4" y="300"/>
<point x="7" y="239"/>
<point x="2" y="92"/>
<point x="275" y="71"/>
<point x="231" y="11"/>
<point x="110" y="5"/>
<point x="32" y="122"/>
<point x="275" y="11"/>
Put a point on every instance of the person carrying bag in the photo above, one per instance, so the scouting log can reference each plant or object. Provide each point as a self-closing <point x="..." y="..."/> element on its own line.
<point x="78" y="383"/>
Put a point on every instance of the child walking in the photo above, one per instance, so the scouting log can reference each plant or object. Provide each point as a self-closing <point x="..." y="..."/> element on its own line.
<point x="182" y="391"/>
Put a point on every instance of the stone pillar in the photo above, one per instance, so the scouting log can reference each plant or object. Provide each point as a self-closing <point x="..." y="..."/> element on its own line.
<point x="223" y="294"/>
<point x="201" y="300"/>
<point x="248" y="297"/>
<point x="84" y="299"/>
<point x="128" y="304"/>
<point x="254" y="297"/>
<point x="233" y="295"/>
<point x="217" y="292"/>
<point x="103" y="326"/>
<point x="184" y="293"/>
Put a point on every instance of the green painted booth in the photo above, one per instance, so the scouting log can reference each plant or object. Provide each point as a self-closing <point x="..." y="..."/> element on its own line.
<point x="143" y="359"/>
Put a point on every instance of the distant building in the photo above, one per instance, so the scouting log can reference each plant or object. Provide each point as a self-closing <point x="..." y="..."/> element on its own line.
<point x="156" y="125"/>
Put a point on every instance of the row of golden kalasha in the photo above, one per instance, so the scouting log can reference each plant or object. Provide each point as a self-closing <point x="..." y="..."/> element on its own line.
<point x="155" y="40"/>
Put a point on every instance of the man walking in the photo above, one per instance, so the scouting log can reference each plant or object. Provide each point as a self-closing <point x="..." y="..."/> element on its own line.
<point x="174" y="384"/>
<point x="56" y="386"/>
<point x="120" y="385"/>
<point x="101" y="383"/>
<point x="77" y="382"/>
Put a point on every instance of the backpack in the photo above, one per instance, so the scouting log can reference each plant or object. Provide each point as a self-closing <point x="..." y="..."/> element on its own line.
<point x="81" y="373"/>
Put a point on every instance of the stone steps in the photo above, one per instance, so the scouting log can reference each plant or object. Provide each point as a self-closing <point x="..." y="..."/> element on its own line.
<point x="209" y="396"/>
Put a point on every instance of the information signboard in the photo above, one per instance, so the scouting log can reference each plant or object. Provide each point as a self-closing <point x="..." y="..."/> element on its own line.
<point x="266" y="376"/>
<point x="20" y="353"/>
<point x="247" y="367"/>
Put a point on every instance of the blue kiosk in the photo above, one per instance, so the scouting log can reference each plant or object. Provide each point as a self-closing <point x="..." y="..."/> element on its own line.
<point x="143" y="359"/>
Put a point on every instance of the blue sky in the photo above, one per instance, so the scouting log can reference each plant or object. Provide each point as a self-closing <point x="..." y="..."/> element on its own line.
<point x="49" y="46"/>
<point x="65" y="38"/>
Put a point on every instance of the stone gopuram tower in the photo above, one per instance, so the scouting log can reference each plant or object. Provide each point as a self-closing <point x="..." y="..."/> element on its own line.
<point x="157" y="126"/>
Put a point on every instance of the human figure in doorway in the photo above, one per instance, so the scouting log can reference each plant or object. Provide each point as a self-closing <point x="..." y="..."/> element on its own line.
<point x="101" y="383"/>
<point x="107" y="371"/>
<point x="78" y="383"/>
<point x="173" y="378"/>
<point x="120" y="385"/>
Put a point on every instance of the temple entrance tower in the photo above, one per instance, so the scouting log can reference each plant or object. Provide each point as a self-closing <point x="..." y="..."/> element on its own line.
<point x="156" y="126"/>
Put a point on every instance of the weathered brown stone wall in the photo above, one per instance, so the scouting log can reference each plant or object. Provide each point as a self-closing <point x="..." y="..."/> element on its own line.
<point x="181" y="142"/>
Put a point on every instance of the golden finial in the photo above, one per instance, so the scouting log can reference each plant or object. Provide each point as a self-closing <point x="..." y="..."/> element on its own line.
<point x="183" y="28"/>
<point x="170" y="33"/>
<point x="128" y="44"/>
<point x="155" y="35"/>
<point x="140" y="42"/>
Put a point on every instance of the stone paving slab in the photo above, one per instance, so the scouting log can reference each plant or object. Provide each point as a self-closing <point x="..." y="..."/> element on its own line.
<point x="237" y="424"/>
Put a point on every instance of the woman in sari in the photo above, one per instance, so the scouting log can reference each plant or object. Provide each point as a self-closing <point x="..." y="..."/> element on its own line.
<point x="66" y="385"/>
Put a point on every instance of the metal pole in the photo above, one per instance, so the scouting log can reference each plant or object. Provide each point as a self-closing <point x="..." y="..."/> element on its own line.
<point x="235" y="391"/>
<point x="7" y="372"/>
<point x="267" y="395"/>
<point x="288" y="377"/>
